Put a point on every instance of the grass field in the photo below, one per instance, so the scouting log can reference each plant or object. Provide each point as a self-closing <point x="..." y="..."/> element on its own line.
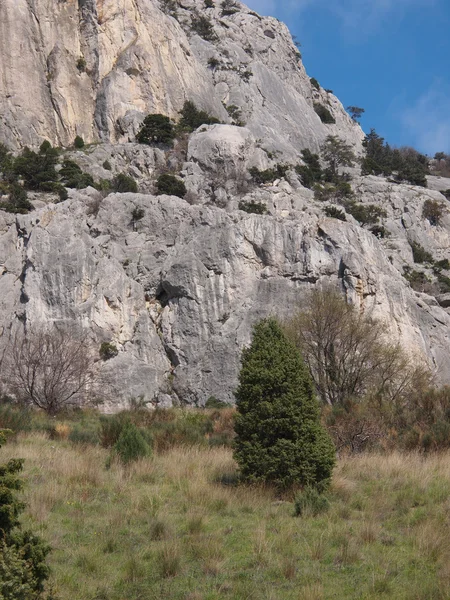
<point x="169" y="527"/>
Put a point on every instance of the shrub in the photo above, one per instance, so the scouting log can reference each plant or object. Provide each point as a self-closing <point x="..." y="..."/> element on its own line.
<point x="124" y="183"/>
<point x="170" y="185"/>
<point x="110" y="429"/>
<point x="73" y="177"/>
<point x="14" y="418"/>
<point x="156" y="129"/>
<point x="137" y="213"/>
<point x="37" y="169"/>
<point x="268" y="175"/>
<point x="18" y="200"/>
<point x="203" y="27"/>
<point x="345" y="350"/>
<point x="335" y="213"/>
<point x="23" y="568"/>
<point x="257" y="208"/>
<point x="433" y="211"/>
<point x="79" y="142"/>
<point x="213" y="62"/>
<point x="213" y="402"/>
<point x="311" y="171"/>
<point x="366" y="214"/>
<point x="50" y="368"/>
<point x="442" y="264"/>
<point x="209" y="4"/>
<point x="192" y="117"/>
<point x="131" y="444"/>
<point x="310" y="501"/>
<point x="420" y="255"/>
<point x="84" y="433"/>
<point x="108" y="350"/>
<point x="107" y="165"/>
<point x="324" y="114"/>
<point x="279" y="438"/>
<point x="229" y="7"/>
<point x="417" y="279"/>
<point x="315" y="83"/>
<point x="406" y="163"/>
<point x="81" y="64"/>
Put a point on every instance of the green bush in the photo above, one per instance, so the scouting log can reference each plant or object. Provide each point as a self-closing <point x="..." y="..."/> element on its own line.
<point x="324" y="114"/>
<point x="111" y="427"/>
<point x="433" y="211"/>
<point x="268" y="175"/>
<point x="405" y="163"/>
<point x="366" y="214"/>
<point x="79" y="142"/>
<point x="417" y="279"/>
<point x="203" y="27"/>
<point x="73" y="177"/>
<point x="18" y="200"/>
<point x="137" y="213"/>
<point x="311" y="171"/>
<point x="131" y="444"/>
<point x="420" y="255"/>
<point x="315" y="83"/>
<point x="442" y="264"/>
<point x="229" y="7"/>
<point x="335" y="213"/>
<point x="23" y="568"/>
<point x="156" y="129"/>
<point x="279" y="438"/>
<point x="107" y="165"/>
<point x="108" y="350"/>
<point x="14" y="417"/>
<point x="192" y="118"/>
<point x="124" y="183"/>
<point x="85" y="433"/>
<point x="37" y="169"/>
<point x="213" y="402"/>
<point x="170" y="185"/>
<point x="310" y="501"/>
<point x="257" y="208"/>
<point x="81" y="64"/>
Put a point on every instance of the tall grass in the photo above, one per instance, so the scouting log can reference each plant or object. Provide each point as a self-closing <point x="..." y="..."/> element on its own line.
<point x="166" y="527"/>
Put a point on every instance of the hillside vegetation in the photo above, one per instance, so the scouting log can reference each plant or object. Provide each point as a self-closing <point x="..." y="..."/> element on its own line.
<point x="175" y="525"/>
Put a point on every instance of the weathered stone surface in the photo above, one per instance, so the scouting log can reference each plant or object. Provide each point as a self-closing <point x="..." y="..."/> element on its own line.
<point x="96" y="68"/>
<point x="179" y="290"/>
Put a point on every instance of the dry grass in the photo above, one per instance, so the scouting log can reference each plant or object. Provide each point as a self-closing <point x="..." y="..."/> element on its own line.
<point x="165" y="527"/>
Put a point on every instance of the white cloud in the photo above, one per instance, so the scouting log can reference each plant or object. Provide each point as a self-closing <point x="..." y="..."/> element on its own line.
<point x="428" y="120"/>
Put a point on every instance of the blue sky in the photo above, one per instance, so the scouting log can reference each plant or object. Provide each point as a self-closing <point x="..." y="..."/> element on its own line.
<point x="390" y="57"/>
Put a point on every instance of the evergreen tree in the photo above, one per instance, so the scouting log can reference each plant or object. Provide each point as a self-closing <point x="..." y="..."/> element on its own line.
<point x="23" y="570"/>
<point x="279" y="436"/>
<point x="156" y="129"/>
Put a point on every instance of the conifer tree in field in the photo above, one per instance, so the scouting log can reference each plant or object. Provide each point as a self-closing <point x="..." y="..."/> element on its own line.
<point x="279" y="438"/>
<point x="23" y="568"/>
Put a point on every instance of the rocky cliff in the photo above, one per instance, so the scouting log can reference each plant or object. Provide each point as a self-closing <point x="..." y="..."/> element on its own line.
<point x="178" y="290"/>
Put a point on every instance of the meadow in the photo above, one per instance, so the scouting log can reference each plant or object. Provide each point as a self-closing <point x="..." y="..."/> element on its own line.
<point x="176" y="525"/>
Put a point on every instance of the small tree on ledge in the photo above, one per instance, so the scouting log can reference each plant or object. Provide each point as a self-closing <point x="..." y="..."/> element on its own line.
<point x="279" y="436"/>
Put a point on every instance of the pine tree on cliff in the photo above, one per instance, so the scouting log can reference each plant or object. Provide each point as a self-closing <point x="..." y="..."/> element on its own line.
<point x="279" y="436"/>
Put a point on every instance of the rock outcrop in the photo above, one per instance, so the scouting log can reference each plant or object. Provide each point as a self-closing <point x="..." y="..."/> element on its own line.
<point x="96" y="68"/>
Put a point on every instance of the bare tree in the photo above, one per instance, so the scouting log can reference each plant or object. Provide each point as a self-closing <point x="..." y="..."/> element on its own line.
<point x="348" y="353"/>
<point x="50" y="368"/>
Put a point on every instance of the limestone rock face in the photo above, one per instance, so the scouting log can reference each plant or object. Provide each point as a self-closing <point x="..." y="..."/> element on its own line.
<point x="95" y="68"/>
<point x="179" y="290"/>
